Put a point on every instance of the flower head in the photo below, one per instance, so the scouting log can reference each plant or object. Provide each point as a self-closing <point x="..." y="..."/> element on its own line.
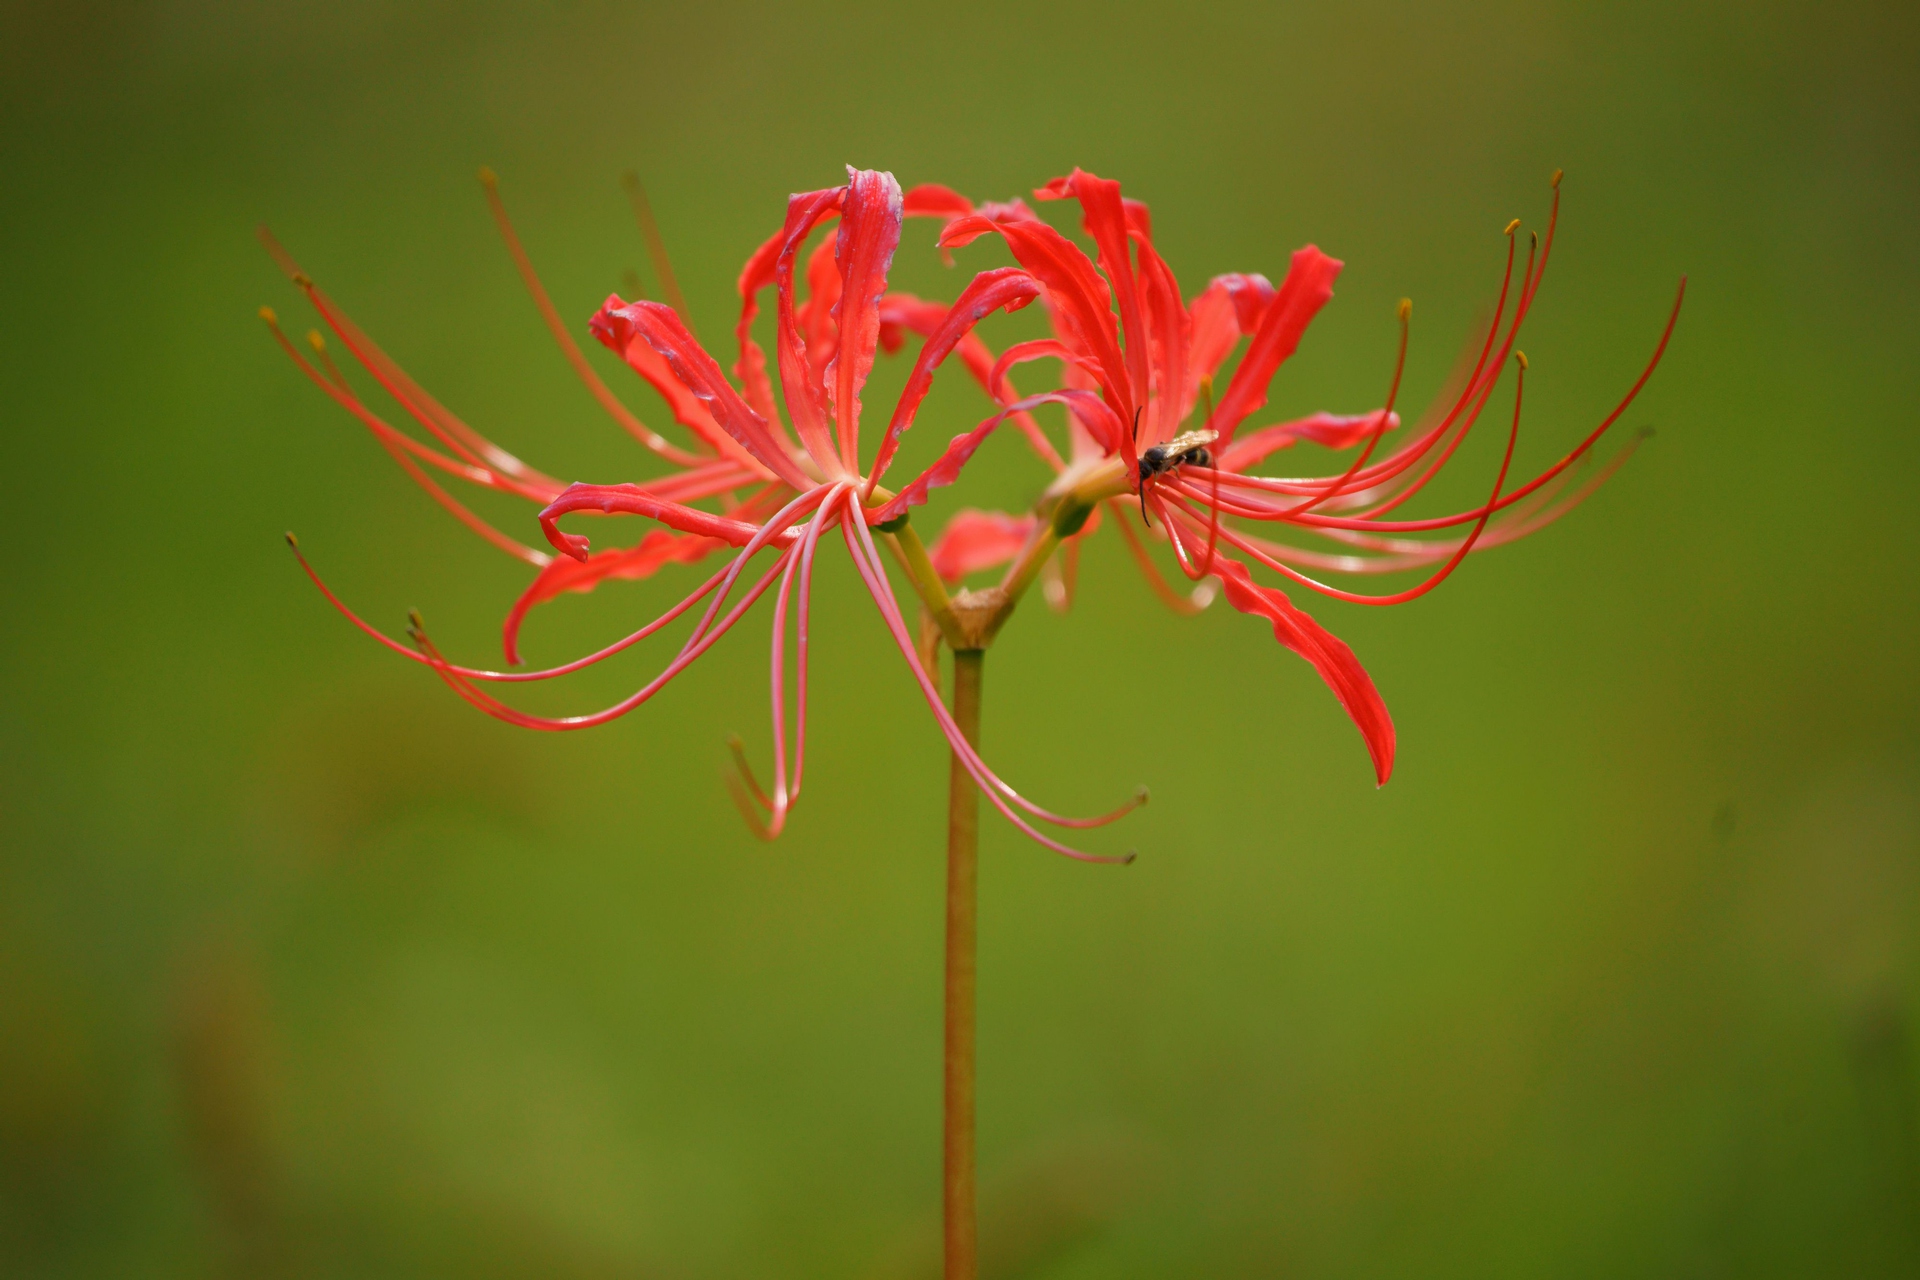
<point x="1128" y="343"/>
<point x="801" y="475"/>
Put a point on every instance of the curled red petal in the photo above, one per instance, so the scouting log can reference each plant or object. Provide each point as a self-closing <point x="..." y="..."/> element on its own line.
<point x="659" y="327"/>
<point x="1080" y="300"/>
<point x="1104" y="217"/>
<point x="1308" y="286"/>
<point x="1033" y="349"/>
<point x="1092" y="412"/>
<point x="1334" y="430"/>
<point x="687" y="408"/>
<point x="976" y="540"/>
<point x="869" y="234"/>
<point x="1230" y="306"/>
<point x="1014" y="210"/>
<point x="1007" y="288"/>
<point x="1170" y="335"/>
<point x="563" y="573"/>
<point x="931" y="200"/>
<point x="632" y="500"/>
<point x="823" y="301"/>
<point x="902" y="311"/>
<point x="1328" y="653"/>
<point x="805" y="395"/>
<point x="757" y="274"/>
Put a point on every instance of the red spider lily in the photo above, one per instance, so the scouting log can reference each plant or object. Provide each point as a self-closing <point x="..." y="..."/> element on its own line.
<point x="715" y="468"/>
<point x="1149" y="364"/>
<point x="806" y="466"/>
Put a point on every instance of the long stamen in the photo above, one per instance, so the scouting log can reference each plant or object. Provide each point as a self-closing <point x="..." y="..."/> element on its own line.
<point x="1213" y="530"/>
<point x="747" y="786"/>
<point x="745" y="789"/>
<point x="779" y="524"/>
<point x="464" y="686"/>
<point x="803" y="628"/>
<point x="1371" y="523"/>
<point x="778" y="702"/>
<point x="576" y="358"/>
<point x="874" y="575"/>
<point x="1466" y="546"/>
<point x="1202" y="595"/>
<point x="507" y="677"/>
<point x="343" y="395"/>
<point x="1529" y="284"/>
<point x="1405" y="312"/>
<point x="319" y="345"/>
<point x="783" y="796"/>
<point x="442" y="422"/>
<point x="656" y="245"/>
<point x="396" y="444"/>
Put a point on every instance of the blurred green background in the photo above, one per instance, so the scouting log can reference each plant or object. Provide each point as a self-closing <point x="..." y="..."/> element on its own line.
<point x="306" y="969"/>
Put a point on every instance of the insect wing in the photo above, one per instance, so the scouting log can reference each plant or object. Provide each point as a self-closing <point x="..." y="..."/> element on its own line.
<point x="1187" y="443"/>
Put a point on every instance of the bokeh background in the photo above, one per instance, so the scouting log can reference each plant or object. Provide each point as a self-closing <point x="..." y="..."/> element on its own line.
<point x="308" y="970"/>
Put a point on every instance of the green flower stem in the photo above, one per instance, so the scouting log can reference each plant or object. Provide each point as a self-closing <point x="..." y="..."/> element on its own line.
<point x="963" y="850"/>
<point x="912" y="556"/>
<point x="1027" y="565"/>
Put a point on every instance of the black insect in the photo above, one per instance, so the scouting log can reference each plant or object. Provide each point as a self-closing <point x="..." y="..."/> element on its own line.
<point x="1189" y="446"/>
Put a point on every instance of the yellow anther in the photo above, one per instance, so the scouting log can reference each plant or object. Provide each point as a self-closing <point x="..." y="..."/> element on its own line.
<point x="1554" y="182"/>
<point x="302" y="279"/>
<point x="318" y="343"/>
<point x="1521" y="356"/>
<point x="267" y="314"/>
<point x="1511" y="227"/>
<point x="292" y="541"/>
<point x="1405" y="309"/>
<point x="488" y="178"/>
<point x="419" y="623"/>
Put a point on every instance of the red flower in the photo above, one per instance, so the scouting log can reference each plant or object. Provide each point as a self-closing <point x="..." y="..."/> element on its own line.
<point x="1149" y="366"/>
<point x="803" y="474"/>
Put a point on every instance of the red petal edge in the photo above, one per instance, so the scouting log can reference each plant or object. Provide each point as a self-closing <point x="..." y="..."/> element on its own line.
<point x="1328" y="653"/>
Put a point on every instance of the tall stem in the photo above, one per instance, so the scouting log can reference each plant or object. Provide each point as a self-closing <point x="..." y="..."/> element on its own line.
<point x="963" y="849"/>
